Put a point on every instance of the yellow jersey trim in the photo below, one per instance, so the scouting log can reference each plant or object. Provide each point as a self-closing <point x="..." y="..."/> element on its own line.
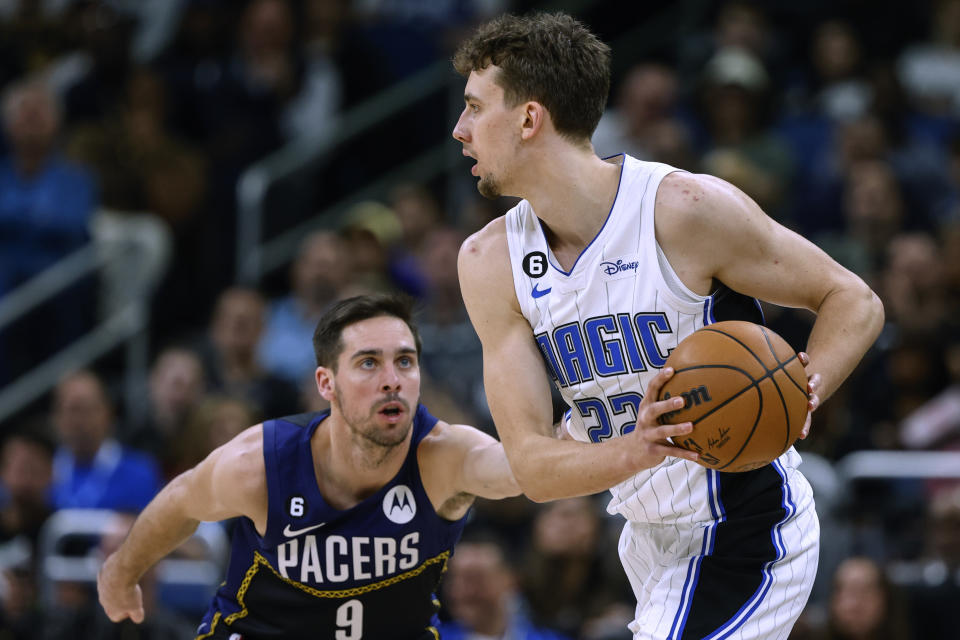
<point x="259" y="560"/>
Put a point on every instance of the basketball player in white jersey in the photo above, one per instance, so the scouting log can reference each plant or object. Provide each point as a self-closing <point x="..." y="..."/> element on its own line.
<point x="590" y="281"/>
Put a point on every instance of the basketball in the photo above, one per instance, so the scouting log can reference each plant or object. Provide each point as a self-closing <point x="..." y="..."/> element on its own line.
<point x="745" y="392"/>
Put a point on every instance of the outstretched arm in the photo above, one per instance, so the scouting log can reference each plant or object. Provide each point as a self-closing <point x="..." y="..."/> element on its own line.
<point x="459" y="462"/>
<point x="230" y="482"/>
<point x="519" y="396"/>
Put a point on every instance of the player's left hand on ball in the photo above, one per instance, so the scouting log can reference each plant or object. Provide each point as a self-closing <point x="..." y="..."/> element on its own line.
<point x="813" y="400"/>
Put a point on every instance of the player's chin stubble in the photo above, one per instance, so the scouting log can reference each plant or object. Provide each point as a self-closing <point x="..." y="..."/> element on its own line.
<point x="489" y="187"/>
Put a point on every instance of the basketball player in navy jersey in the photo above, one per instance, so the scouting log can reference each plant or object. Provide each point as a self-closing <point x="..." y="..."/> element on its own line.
<point x="589" y="282"/>
<point x="347" y="517"/>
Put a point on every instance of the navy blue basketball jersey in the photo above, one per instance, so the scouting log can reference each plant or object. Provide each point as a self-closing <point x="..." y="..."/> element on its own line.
<point x="366" y="573"/>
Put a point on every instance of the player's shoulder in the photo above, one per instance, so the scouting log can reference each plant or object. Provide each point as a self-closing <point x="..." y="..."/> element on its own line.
<point x="488" y="242"/>
<point x="695" y="194"/>
<point x="448" y="444"/>
<point x="447" y="434"/>
<point x="484" y="262"/>
<point x="242" y="457"/>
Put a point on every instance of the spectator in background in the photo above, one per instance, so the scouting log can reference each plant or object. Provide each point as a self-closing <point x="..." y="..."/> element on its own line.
<point x="26" y="474"/>
<point x="90" y="469"/>
<point x="21" y="617"/>
<point x="935" y="592"/>
<point x="45" y="207"/>
<point x="838" y="89"/>
<point x="873" y="214"/>
<point x="141" y="165"/>
<point x="31" y="37"/>
<point x="912" y="284"/>
<point x="87" y="620"/>
<point x="214" y="422"/>
<point x="565" y="577"/>
<point x="864" y="605"/>
<point x="936" y="423"/>
<point x="930" y="70"/>
<point x="25" y="478"/>
<point x="738" y="24"/>
<point x="418" y="213"/>
<point x="371" y="230"/>
<point x="482" y="595"/>
<point x="175" y="388"/>
<point x="315" y="109"/>
<point x="742" y="149"/>
<point x="230" y="355"/>
<point x="950" y="246"/>
<point x="91" y="76"/>
<point x="319" y="276"/>
<point x="452" y="353"/>
<point x="642" y="122"/>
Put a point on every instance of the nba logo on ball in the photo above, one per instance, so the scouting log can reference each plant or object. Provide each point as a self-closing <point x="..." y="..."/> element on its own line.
<point x="745" y="391"/>
<point x="399" y="505"/>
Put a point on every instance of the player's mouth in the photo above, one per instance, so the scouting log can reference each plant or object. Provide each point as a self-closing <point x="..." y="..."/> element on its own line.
<point x="474" y="169"/>
<point x="393" y="411"/>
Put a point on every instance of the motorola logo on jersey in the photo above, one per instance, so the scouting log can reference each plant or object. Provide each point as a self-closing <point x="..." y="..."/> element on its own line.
<point x="399" y="505"/>
<point x="605" y="346"/>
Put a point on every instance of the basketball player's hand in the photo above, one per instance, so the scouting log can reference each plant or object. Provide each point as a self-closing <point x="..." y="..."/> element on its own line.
<point x="653" y="444"/>
<point x="119" y="598"/>
<point x="813" y="400"/>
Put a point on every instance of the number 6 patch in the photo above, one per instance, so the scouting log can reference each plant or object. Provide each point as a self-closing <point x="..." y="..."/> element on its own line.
<point x="535" y="264"/>
<point x="296" y="506"/>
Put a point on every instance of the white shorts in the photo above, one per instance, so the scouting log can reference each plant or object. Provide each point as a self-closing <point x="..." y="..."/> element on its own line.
<point x="745" y="575"/>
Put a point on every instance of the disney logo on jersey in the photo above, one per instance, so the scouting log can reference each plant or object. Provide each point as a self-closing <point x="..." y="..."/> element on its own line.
<point x="620" y="266"/>
<point x="399" y="504"/>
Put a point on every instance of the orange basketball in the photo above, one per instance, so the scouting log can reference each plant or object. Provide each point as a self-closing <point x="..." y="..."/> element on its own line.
<point x="745" y="391"/>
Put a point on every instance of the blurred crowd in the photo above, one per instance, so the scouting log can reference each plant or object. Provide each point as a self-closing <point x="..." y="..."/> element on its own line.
<point x="841" y="119"/>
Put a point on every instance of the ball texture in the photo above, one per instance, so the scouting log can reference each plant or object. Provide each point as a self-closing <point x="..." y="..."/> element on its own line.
<point x="745" y="392"/>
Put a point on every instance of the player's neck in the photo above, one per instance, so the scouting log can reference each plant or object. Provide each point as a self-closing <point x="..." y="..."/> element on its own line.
<point x="349" y="471"/>
<point x="572" y="192"/>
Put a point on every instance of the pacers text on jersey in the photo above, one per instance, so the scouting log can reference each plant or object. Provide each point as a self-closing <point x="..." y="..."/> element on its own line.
<point x="341" y="559"/>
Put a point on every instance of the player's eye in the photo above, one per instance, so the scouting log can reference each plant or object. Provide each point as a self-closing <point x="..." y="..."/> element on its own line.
<point x="405" y="361"/>
<point x="368" y="363"/>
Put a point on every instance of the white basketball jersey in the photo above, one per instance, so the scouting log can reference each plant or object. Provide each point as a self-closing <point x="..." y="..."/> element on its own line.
<point x="606" y="327"/>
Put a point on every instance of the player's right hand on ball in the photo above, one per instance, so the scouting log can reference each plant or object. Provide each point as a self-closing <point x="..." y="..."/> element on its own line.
<point x="653" y="444"/>
<point x="118" y="598"/>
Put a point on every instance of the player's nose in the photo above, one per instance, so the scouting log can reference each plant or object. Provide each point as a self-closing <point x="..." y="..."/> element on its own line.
<point x="390" y="379"/>
<point x="460" y="132"/>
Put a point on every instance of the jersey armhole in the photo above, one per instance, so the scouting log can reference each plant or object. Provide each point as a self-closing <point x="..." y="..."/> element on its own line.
<point x="271" y="469"/>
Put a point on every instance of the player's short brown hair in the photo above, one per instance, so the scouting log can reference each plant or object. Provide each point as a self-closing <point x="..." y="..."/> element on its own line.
<point x="327" y="338"/>
<point x="547" y="57"/>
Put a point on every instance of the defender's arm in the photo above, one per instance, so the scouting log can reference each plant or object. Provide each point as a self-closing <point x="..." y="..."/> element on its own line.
<point x="459" y="462"/>
<point x="230" y="482"/>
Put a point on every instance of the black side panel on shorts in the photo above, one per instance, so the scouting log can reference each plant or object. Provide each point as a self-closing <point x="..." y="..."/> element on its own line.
<point x="733" y="576"/>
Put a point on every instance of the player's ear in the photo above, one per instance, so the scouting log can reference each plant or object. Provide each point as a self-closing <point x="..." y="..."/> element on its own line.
<point x="534" y="118"/>
<point x="325" y="384"/>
